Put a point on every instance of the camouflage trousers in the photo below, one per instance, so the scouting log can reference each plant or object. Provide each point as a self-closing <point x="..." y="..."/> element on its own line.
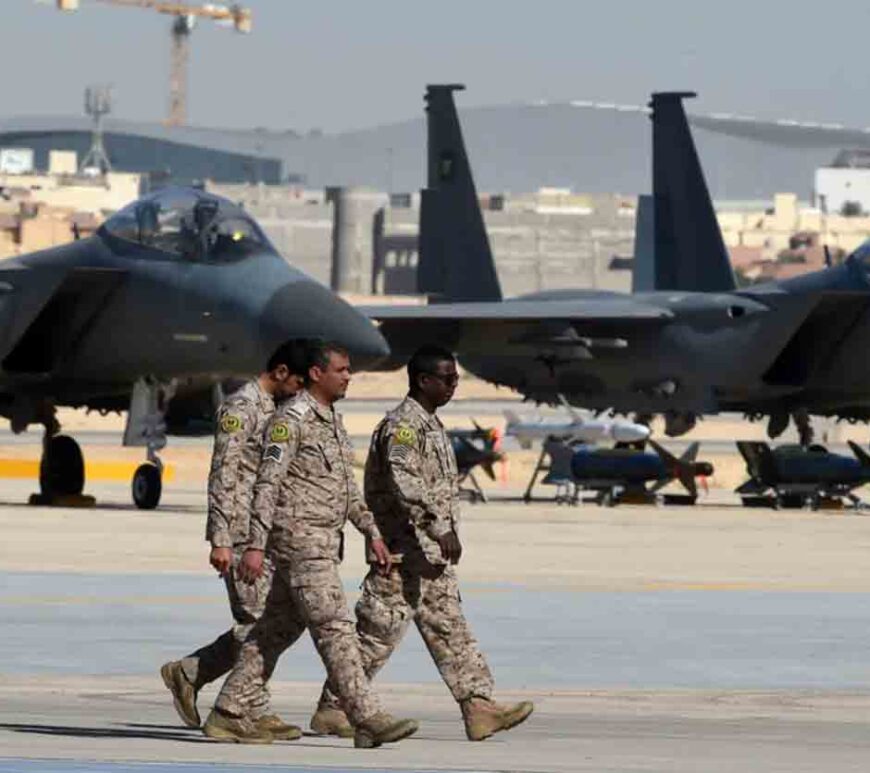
<point x="303" y="595"/>
<point x="247" y="603"/>
<point x="430" y="597"/>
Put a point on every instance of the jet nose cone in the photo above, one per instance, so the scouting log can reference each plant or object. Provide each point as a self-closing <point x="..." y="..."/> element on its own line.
<point x="306" y="309"/>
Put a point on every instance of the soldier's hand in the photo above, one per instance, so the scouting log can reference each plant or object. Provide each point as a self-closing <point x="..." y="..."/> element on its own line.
<point x="382" y="556"/>
<point x="451" y="547"/>
<point x="251" y="566"/>
<point x="221" y="559"/>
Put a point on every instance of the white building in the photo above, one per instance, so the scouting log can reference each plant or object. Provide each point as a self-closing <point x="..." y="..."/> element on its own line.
<point x="845" y="185"/>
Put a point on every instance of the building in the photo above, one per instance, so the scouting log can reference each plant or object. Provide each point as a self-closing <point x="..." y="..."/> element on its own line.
<point x="844" y="187"/>
<point x="38" y="211"/>
<point x="162" y="155"/>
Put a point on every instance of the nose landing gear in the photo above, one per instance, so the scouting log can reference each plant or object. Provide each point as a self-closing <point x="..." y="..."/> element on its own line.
<point x="146" y="427"/>
<point x="147" y="485"/>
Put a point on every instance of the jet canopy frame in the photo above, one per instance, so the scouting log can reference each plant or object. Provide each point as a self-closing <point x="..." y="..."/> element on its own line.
<point x="190" y="224"/>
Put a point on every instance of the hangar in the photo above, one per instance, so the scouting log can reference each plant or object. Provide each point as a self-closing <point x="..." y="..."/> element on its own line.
<point x="177" y="155"/>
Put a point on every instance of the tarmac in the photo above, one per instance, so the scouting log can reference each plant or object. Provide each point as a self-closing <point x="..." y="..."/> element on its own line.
<point x="650" y="639"/>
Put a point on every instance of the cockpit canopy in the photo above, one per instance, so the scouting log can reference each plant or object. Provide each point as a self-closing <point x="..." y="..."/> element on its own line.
<point x="188" y="223"/>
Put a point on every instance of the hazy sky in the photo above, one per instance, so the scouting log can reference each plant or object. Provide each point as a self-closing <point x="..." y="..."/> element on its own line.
<point x="345" y="64"/>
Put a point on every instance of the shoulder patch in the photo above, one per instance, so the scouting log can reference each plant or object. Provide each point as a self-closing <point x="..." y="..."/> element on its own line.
<point x="405" y="435"/>
<point x="280" y="432"/>
<point x="273" y="452"/>
<point x="231" y="423"/>
<point x="400" y="453"/>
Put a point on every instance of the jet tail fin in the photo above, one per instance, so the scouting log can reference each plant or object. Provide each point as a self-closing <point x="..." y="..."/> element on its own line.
<point x="456" y="261"/>
<point x="643" y="267"/>
<point x="688" y="248"/>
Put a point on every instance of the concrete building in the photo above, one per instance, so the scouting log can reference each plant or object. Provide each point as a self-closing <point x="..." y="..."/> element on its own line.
<point x="38" y="211"/>
<point x="535" y="247"/>
<point x="844" y="187"/>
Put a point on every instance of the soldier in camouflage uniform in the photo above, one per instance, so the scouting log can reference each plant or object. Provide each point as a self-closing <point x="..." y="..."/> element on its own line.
<point x="304" y="494"/>
<point x="238" y="449"/>
<point x="411" y="486"/>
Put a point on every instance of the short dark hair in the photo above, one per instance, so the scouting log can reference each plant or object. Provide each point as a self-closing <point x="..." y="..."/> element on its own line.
<point x="292" y="354"/>
<point x="425" y="360"/>
<point x="317" y="354"/>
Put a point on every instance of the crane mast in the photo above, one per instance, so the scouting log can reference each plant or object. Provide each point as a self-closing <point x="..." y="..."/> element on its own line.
<point x="184" y="19"/>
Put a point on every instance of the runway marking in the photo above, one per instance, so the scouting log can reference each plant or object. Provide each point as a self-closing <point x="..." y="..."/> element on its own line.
<point x="114" y="471"/>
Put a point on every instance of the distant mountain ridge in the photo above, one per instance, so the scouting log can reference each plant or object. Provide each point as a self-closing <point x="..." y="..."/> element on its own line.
<point x="513" y="148"/>
<point x="522" y="148"/>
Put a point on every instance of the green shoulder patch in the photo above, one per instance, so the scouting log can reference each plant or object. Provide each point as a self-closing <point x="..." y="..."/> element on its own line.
<point x="280" y="432"/>
<point x="405" y="435"/>
<point x="231" y="423"/>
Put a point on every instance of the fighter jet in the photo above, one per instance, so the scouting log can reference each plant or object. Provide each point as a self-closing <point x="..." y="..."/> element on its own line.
<point x="690" y="344"/>
<point x="175" y="294"/>
<point x="578" y="429"/>
<point x="795" y="476"/>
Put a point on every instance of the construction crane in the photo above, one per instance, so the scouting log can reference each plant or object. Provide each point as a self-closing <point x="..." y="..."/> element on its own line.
<point x="185" y="17"/>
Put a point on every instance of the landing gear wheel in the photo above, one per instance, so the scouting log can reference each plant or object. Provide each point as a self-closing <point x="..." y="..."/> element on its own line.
<point x="62" y="469"/>
<point x="147" y="486"/>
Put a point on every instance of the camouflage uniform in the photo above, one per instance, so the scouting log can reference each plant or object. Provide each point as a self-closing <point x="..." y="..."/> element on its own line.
<point x="304" y="494"/>
<point x="411" y="486"/>
<point x="238" y="449"/>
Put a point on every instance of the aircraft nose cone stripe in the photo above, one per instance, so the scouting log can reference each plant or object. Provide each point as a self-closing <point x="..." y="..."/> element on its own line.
<point x="306" y="309"/>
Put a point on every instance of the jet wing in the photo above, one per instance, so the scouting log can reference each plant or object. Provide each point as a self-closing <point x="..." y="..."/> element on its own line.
<point x="569" y="311"/>
<point x="44" y="312"/>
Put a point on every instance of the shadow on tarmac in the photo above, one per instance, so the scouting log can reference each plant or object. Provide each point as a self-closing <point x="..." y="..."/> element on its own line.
<point x="143" y="730"/>
<point x="152" y="732"/>
<point x="127" y="507"/>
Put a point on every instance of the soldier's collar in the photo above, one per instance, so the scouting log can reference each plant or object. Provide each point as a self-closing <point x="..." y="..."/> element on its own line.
<point x="267" y="402"/>
<point x="327" y="414"/>
<point x="420" y="410"/>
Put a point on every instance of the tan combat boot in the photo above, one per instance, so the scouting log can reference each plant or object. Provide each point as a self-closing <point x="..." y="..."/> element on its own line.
<point x="382" y="728"/>
<point x="278" y="728"/>
<point x="222" y="727"/>
<point x="330" y="721"/>
<point x="483" y="717"/>
<point x="183" y="692"/>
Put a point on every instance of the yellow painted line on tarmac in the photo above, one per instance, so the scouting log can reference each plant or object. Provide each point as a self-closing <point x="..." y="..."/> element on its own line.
<point x="116" y="471"/>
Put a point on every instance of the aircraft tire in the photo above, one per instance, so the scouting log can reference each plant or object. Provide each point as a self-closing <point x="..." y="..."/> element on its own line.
<point x="62" y="468"/>
<point x="147" y="486"/>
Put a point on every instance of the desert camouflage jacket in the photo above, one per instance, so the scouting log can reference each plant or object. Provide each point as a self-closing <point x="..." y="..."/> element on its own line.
<point x="305" y="489"/>
<point x="411" y="482"/>
<point x="238" y="448"/>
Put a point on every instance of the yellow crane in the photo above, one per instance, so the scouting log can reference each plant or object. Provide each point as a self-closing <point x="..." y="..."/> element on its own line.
<point x="185" y="17"/>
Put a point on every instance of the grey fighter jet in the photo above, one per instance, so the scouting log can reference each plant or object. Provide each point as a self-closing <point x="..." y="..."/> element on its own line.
<point x="689" y="344"/>
<point x="175" y="294"/>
